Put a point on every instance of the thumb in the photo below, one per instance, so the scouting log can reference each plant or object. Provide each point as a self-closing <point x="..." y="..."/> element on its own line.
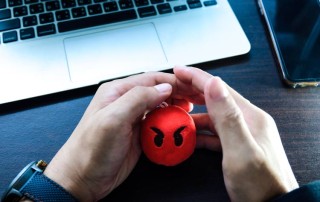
<point x="138" y="100"/>
<point x="226" y="115"/>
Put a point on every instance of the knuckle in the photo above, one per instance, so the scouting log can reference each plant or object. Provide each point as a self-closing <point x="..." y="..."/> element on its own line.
<point x="113" y="122"/>
<point x="142" y="91"/>
<point x="265" y="120"/>
<point x="234" y="115"/>
<point x="104" y="85"/>
<point x="255" y="161"/>
<point x="232" y="118"/>
<point x="139" y="92"/>
<point x="138" y="89"/>
<point x="268" y="118"/>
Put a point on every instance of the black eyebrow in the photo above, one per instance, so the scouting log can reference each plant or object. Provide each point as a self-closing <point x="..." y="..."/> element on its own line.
<point x="179" y="130"/>
<point x="156" y="130"/>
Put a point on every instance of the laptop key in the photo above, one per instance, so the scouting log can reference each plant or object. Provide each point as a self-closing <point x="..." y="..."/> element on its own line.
<point x="12" y="3"/>
<point x="180" y="8"/>
<point x="9" y="24"/>
<point x="10" y="36"/>
<point x="30" y="1"/>
<point x="27" y="33"/>
<point x="78" y="12"/>
<point x="3" y="4"/>
<point x="29" y="21"/>
<point x="45" y="30"/>
<point x="157" y="1"/>
<point x="110" y="6"/>
<point x="62" y="15"/>
<point x="109" y="18"/>
<point x="84" y="2"/>
<point x="36" y="8"/>
<point x="52" y="5"/>
<point x="194" y="4"/>
<point x="20" y="11"/>
<point x="210" y="3"/>
<point x="141" y="2"/>
<point x="164" y="8"/>
<point x="147" y="11"/>
<point x="5" y="14"/>
<point x="125" y="4"/>
<point x="94" y="9"/>
<point x="46" y="18"/>
<point x="68" y="3"/>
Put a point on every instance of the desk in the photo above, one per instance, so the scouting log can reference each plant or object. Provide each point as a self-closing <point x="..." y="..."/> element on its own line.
<point x="37" y="128"/>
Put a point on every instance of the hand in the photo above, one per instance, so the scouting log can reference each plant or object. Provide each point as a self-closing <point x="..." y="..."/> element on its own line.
<point x="104" y="147"/>
<point x="255" y="166"/>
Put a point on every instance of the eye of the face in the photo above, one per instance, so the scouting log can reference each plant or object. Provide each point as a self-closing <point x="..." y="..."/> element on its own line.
<point x="158" y="139"/>
<point x="178" y="139"/>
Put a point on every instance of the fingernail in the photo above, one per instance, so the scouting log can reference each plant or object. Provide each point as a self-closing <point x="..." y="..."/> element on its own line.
<point x="163" y="88"/>
<point x="182" y="67"/>
<point x="218" y="89"/>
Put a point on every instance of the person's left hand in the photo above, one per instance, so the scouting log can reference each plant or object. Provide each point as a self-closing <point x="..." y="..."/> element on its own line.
<point x="104" y="148"/>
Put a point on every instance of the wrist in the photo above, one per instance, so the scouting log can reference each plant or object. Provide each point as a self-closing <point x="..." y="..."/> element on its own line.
<point x="70" y="183"/>
<point x="32" y="185"/>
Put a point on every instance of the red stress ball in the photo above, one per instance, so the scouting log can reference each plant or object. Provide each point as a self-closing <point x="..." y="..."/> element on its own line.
<point x="168" y="135"/>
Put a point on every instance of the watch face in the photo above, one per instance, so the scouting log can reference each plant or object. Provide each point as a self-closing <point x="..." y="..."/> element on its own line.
<point x="13" y="196"/>
<point x="12" y="193"/>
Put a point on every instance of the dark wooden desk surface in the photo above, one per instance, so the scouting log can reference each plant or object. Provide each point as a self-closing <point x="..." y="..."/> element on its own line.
<point x="37" y="128"/>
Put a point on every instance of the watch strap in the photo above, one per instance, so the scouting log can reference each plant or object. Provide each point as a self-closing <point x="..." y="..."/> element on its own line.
<point x="41" y="188"/>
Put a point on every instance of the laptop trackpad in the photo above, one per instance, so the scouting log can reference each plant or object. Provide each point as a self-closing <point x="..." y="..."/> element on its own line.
<point x="114" y="53"/>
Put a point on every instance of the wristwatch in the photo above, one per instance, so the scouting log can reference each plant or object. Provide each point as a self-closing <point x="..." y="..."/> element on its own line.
<point x="33" y="184"/>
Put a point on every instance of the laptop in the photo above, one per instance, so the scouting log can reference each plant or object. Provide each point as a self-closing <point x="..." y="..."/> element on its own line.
<point x="51" y="46"/>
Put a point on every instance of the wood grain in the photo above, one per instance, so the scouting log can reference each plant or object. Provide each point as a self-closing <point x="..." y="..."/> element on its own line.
<point x="37" y="128"/>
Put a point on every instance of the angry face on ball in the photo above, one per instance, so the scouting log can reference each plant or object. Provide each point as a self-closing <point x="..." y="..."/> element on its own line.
<point x="168" y="135"/>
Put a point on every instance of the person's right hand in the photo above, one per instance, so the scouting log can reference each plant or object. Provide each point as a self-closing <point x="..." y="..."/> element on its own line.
<point x="255" y="166"/>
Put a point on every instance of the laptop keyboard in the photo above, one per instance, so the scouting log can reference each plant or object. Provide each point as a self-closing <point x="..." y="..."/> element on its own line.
<point x="28" y="19"/>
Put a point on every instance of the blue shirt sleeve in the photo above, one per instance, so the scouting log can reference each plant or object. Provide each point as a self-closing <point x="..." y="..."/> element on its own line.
<point x="307" y="193"/>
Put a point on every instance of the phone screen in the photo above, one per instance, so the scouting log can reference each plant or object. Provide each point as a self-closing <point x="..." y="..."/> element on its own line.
<point x="294" y="26"/>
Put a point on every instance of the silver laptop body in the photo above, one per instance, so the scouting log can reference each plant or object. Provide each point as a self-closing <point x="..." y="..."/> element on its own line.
<point x="77" y="57"/>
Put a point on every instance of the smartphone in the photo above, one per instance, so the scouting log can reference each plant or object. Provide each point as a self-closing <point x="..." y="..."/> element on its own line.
<point x="294" y="29"/>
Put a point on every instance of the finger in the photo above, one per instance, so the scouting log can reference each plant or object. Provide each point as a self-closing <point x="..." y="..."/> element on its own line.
<point x="110" y="91"/>
<point x="184" y="104"/>
<point x="206" y="135"/>
<point x="190" y="76"/>
<point x="211" y="142"/>
<point x="145" y="79"/>
<point x="226" y="116"/>
<point x="190" y="83"/>
<point x="196" y="77"/>
<point x="137" y="101"/>
<point x="194" y="97"/>
<point x="249" y="110"/>
<point x="203" y="122"/>
<point x="242" y="102"/>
